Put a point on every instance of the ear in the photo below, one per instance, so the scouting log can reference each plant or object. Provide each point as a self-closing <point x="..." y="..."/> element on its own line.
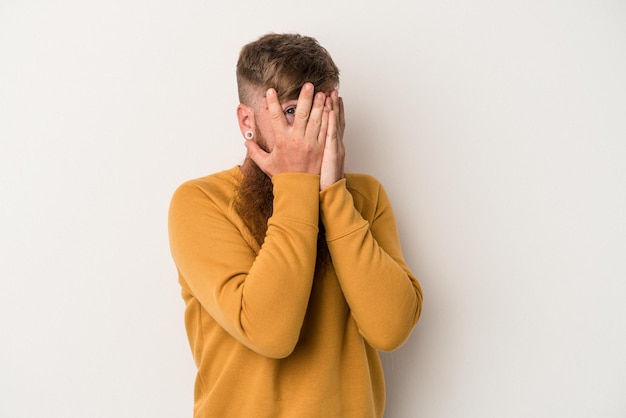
<point x="245" y="117"/>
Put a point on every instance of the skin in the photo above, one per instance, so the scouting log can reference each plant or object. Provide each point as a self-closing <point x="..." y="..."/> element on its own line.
<point x="302" y="136"/>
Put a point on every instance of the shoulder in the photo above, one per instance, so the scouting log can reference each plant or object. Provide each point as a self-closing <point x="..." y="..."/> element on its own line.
<point x="219" y="187"/>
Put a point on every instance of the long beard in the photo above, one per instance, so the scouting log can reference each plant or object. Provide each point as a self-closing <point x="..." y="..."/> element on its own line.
<point x="254" y="202"/>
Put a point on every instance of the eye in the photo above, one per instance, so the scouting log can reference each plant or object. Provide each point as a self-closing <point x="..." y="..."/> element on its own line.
<point x="290" y="114"/>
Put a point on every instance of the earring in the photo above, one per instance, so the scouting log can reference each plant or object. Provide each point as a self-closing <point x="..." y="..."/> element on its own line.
<point x="249" y="135"/>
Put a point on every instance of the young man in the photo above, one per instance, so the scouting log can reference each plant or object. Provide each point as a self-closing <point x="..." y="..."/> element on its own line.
<point x="291" y="271"/>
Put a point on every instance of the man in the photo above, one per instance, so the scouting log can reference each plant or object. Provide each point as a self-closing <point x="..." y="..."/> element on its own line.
<point x="291" y="271"/>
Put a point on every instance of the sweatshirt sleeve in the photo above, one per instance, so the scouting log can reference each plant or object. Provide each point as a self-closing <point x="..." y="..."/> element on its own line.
<point x="385" y="298"/>
<point x="260" y="299"/>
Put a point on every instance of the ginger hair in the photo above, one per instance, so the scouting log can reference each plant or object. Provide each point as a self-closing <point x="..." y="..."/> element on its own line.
<point x="284" y="62"/>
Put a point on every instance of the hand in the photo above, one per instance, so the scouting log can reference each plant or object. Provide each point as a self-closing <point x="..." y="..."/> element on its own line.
<point x="334" y="150"/>
<point x="298" y="147"/>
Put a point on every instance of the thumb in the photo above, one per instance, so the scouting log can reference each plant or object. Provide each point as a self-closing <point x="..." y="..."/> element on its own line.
<point x="256" y="154"/>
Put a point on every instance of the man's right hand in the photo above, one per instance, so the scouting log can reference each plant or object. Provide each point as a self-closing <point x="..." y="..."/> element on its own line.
<point x="299" y="147"/>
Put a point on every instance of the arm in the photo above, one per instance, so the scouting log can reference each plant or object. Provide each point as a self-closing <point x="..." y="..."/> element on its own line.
<point x="259" y="299"/>
<point x="385" y="298"/>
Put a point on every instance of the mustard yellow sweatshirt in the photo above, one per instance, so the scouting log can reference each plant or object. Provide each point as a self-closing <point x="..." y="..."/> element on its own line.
<point x="269" y="340"/>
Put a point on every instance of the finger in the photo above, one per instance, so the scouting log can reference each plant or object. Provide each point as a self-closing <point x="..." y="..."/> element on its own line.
<point x="323" y="131"/>
<point x="334" y="96"/>
<point x="331" y="133"/>
<point x="337" y="106"/>
<point x="341" y="149"/>
<point x="303" y="106"/>
<point x="277" y="117"/>
<point x="316" y="118"/>
<point x="260" y="157"/>
<point x="341" y="116"/>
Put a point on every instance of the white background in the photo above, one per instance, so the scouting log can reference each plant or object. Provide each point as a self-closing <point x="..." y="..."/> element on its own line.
<point x="498" y="129"/>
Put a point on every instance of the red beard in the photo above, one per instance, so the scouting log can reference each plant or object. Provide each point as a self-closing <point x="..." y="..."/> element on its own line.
<point x="254" y="202"/>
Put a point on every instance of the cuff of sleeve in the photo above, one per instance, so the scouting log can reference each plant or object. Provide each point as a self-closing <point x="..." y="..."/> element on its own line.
<point x="296" y="196"/>
<point x="338" y="213"/>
